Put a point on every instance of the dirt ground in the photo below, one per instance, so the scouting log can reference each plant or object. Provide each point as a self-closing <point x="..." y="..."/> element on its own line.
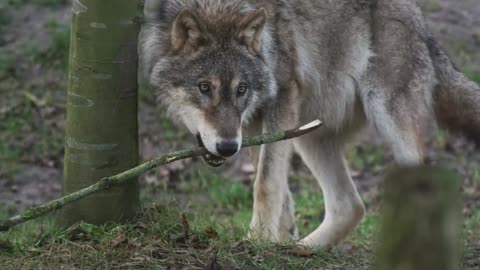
<point x="32" y="110"/>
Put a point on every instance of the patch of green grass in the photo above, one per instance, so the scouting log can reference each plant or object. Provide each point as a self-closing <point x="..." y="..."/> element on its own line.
<point x="473" y="75"/>
<point x="58" y="52"/>
<point x="226" y="193"/>
<point x="170" y="131"/>
<point x="366" y="156"/>
<point x="473" y="224"/>
<point x="367" y="230"/>
<point x="51" y="141"/>
<point x="164" y="237"/>
<point x="7" y="65"/>
<point x="11" y="127"/>
<point x="5" y="17"/>
<point x="463" y="53"/>
<point x="24" y="133"/>
<point x="29" y="235"/>
<point x="309" y="207"/>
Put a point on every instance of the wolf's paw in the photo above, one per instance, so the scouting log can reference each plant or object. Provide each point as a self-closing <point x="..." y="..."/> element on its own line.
<point x="333" y="231"/>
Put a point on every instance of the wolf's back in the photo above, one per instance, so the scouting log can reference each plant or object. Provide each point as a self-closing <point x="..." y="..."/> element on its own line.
<point x="456" y="98"/>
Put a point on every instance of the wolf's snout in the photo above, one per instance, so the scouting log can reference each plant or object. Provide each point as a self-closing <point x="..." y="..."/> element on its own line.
<point x="227" y="148"/>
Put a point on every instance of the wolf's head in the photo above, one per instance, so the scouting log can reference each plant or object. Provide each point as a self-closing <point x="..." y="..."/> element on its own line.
<point x="209" y="63"/>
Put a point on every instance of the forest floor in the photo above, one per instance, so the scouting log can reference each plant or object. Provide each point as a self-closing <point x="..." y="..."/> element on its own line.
<point x="34" y="41"/>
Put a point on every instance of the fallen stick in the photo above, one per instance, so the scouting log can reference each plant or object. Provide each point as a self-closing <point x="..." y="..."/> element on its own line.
<point x="126" y="176"/>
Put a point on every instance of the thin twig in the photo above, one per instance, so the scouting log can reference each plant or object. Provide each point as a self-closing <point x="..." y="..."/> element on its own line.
<point x="126" y="176"/>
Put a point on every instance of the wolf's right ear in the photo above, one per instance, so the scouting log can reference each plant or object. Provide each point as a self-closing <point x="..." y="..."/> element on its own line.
<point x="251" y="30"/>
<point x="186" y="32"/>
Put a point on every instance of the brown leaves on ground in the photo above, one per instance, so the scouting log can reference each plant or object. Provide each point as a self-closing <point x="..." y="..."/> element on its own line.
<point x="119" y="240"/>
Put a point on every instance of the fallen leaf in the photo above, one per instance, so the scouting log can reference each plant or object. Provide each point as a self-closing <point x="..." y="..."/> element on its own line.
<point x="119" y="240"/>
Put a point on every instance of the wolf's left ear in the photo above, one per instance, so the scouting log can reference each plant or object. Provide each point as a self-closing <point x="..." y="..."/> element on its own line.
<point x="251" y="30"/>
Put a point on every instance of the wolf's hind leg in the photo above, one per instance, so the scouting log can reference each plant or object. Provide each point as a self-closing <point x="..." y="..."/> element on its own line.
<point x="396" y="90"/>
<point x="402" y="131"/>
<point x="343" y="207"/>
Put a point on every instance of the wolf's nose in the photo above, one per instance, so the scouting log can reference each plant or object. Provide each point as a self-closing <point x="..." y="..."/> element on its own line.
<point x="227" y="148"/>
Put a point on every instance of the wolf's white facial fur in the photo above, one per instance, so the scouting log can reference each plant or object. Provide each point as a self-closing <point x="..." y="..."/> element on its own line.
<point x="196" y="123"/>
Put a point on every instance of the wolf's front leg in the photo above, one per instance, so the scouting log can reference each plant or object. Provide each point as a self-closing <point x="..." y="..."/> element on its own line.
<point x="272" y="206"/>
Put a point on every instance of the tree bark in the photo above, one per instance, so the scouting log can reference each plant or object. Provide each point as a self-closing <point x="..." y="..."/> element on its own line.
<point x="102" y="129"/>
<point x="421" y="221"/>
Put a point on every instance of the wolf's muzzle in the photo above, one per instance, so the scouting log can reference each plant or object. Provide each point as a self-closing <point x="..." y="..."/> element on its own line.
<point x="209" y="158"/>
<point x="227" y="148"/>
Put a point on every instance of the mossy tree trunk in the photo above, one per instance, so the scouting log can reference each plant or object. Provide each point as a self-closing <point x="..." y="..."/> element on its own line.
<point x="421" y="220"/>
<point x="102" y="129"/>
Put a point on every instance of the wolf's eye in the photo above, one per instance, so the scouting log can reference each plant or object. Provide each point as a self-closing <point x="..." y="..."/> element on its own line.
<point x="242" y="89"/>
<point x="204" y="88"/>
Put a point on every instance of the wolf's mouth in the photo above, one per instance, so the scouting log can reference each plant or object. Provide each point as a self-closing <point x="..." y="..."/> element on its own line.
<point x="210" y="159"/>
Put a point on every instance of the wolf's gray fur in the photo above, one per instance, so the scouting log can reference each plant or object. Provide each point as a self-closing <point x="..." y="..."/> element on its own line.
<point x="346" y="62"/>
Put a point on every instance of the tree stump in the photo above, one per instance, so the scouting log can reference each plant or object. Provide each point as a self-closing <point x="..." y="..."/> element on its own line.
<point x="421" y="220"/>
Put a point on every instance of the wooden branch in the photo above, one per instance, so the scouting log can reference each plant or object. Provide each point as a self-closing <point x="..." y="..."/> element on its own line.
<point x="127" y="176"/>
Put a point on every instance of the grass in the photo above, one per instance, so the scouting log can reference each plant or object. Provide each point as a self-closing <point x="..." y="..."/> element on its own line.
<point x="7" y="65"/>
<point x="57" y="53"/>
<point x="463" y="54"/>
<point x="25" y="130"/>
<point x="11" y="128"/>
<point x="25" y="134"/>
<point x="205" y="234"/>
<point x="365" y="156"/>
<point x="163" y="236"/>
<point x="5" y="17"/>
<point x="473" y="75"/>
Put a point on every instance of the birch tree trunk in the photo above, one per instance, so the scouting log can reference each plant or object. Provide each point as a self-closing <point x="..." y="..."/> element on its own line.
<point x="102" y="129"/>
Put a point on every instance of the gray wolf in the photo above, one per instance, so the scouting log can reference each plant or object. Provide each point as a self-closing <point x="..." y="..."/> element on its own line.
<point x="229" y="68"/>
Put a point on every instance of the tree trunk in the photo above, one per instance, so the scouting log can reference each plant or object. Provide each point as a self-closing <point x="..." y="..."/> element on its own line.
<point x="102" y="129"/>
<point x="421" y="221"/>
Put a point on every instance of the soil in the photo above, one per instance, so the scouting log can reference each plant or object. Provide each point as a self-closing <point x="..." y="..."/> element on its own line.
<point x="455" y="23"/>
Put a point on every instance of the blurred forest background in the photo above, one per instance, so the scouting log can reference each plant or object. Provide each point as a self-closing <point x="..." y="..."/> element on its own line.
<point x="34" y="42"/>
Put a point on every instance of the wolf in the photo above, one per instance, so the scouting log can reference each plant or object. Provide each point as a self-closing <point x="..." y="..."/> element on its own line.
<point x="230" y="68"/>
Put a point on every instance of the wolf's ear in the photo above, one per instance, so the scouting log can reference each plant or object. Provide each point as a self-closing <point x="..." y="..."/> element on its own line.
<point x="251" y="30"/>
<point x="186" y="32"/>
